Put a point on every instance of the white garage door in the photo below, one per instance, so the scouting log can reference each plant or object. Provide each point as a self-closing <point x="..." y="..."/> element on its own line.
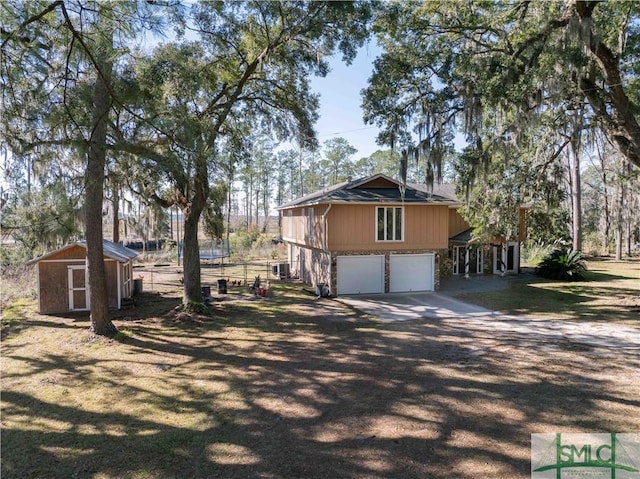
<point x="411" y="272"/>
<point x="360" y="274"/>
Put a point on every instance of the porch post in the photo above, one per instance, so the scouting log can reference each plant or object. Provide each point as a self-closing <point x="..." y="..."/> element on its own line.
<point x="466" y="261"/>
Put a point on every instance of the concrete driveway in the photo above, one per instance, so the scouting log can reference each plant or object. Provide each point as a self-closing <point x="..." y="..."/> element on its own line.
<point x="499" y="329"/>
<point x="406" y="306"/>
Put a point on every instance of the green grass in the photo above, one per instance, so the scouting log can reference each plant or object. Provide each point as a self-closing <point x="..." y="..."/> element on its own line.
<point x="611" y="293"/>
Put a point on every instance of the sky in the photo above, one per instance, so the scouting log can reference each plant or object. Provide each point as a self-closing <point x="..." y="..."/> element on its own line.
<point x="340" y="111"/>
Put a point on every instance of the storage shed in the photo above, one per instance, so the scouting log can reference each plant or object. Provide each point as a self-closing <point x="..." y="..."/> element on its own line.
<point x="63" y="283"/>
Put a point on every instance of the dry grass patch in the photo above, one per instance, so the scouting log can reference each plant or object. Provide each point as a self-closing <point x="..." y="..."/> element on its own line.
<point x="292" y="387"/>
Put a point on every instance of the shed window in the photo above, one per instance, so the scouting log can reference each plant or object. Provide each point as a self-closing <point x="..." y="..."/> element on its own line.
<point x="390" y="223"/>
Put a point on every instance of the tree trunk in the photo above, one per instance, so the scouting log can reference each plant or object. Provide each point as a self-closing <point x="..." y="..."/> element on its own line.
<point x="191" y="257"/>
<point x="116" y="214"/>
<point x="94" y="193"/>
<point x="620" y="220"/>
<point x="576" y="194"/>
<point x="265" y="207"/>
<point x="257" y="207"/>
<point x="229" y="199"/>
<point x="628" y="209"/>
<point x="605" y="219"/>
<point x="192" y="209"/>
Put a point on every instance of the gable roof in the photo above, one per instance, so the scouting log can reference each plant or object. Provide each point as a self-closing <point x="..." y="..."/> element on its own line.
<point x="372" y="189"/>
<point x="110" y="250"/>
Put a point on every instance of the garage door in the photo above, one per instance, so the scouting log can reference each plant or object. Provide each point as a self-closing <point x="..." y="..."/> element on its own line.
<point x="411" y="272"/>
<point x="360" y="274"/>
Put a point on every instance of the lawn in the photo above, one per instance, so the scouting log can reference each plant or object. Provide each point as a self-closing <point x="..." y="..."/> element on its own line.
<point x="610" y="293"/>
<point x="291" y="386"/>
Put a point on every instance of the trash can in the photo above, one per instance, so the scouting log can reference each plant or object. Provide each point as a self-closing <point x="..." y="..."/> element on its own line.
<point x="319" y="289"/>
<point x="206" y="291"/>
<point x="222" y="286"/>
<point x="137" y="286"/>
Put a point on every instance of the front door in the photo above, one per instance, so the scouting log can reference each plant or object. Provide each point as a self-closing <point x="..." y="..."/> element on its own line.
<point x="78" y="288"/>
<point x="460" y="260"/>
<point x="505" y="258"/>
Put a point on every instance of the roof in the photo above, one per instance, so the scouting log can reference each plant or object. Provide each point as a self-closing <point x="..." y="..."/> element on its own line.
<point x="462" y="237"/>
<point x="375" y="189"/>
<point x="447" y="190"/>
<point x="110" y="249"/>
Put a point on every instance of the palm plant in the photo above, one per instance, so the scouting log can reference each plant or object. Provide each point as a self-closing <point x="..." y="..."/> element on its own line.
<point x="563" y="264"/>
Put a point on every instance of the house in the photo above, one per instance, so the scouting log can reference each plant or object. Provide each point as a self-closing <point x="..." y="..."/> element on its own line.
<point x="63" y="281"/>
<point x="375" y="235"/>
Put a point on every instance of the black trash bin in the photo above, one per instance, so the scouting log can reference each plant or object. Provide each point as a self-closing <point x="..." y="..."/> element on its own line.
<point x="222" y="286"/>
<point x="137" y="286"/>
<point x="206" y="291"/>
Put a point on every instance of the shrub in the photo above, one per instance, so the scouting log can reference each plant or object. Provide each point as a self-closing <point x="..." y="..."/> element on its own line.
<point x="534" y="254"/>
<point x="563" y="264"/>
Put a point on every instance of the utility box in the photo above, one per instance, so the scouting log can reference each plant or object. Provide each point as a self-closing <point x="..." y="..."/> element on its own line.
<point x="322" y="290"/>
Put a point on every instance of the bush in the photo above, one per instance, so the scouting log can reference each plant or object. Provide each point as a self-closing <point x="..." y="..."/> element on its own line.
<point x="534" y="253"/>
<point x="563" y="264"/>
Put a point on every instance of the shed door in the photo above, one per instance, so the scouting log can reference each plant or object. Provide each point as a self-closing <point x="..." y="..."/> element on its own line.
<point x="78" y="288"/>
<point x="411" y="272"/>
<point x="360" y="274"/>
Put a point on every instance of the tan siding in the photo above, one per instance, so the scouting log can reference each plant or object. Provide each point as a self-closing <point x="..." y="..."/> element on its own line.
<point x="111" y="270"/>
<point x="297" y="227"/>
<point x="54" y="292"/>
<point x="456" y="223"/>
<point x="352" y="227"/>
<point x="300" y="228"/>
<point x="426" y="226"/>
<point x="318" y="223"/>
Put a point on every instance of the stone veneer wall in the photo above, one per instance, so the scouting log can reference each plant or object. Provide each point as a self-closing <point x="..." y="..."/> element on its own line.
<point x="386" y="253"/>
<point x="443" y="266"/>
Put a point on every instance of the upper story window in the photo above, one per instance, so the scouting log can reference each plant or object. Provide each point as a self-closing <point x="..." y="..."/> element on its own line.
<point x="390" y="223"/>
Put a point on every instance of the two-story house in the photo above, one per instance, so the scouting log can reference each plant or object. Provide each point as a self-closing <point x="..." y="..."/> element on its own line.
<point x="374" y="235"/>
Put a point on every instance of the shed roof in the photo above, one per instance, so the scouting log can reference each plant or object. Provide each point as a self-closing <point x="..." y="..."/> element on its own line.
<point x="110" y="249"/>
<point x="375" y="189"/>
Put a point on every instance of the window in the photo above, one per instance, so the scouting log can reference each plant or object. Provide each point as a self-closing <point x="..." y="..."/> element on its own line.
<point x="389" y="223"/>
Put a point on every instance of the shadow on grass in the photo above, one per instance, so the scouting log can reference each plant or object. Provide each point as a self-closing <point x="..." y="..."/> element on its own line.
<point x="591" y="300"/>
<point x="592" y="275"/>
<point x="267" y="389"/>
